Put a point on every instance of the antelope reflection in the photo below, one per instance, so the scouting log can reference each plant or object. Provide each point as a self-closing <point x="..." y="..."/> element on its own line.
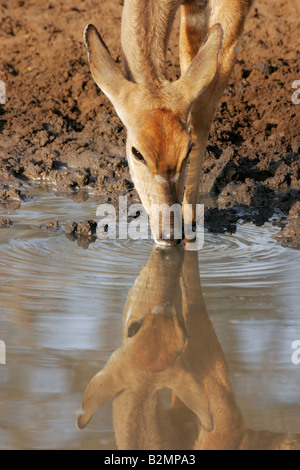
<point x="169" y="342"/>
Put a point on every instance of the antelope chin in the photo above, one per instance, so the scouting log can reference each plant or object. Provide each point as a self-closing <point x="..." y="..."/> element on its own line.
<point x="167" y="243"/>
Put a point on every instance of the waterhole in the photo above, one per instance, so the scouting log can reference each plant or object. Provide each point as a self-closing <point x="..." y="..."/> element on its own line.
<point x="61" y="317"/>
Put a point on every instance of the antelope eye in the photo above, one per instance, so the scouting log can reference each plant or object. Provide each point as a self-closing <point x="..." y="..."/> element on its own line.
<point x="134" y="328"/>
<point x="137" y="155"/>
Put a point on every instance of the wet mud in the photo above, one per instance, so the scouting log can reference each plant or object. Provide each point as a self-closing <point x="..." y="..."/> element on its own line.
<point x="57" y="128"/>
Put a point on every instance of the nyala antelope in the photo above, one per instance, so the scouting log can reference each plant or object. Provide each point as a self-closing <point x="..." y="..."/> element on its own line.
<point x="168" y="123"/>
<point x="169" y="342"/>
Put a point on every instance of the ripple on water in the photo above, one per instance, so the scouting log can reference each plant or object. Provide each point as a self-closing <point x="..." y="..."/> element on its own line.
<point x="61" y="308"/>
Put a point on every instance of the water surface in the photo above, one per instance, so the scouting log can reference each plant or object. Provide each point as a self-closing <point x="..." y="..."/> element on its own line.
<point x="61" y="309"/>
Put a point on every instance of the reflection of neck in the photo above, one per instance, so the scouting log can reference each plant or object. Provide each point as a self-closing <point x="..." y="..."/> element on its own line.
<point x="143" y="430"/>
<point x="207" y="361"/>
<point x="142" y="423"/>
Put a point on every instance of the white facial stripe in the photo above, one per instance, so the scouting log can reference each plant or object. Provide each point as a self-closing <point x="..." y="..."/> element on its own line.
<point x="160" y="179"/>
<point x="163" y="308"/>
<point x="175" y="178"/>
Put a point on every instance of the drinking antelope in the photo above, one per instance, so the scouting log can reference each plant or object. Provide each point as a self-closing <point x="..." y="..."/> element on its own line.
<point x="169" y="342"/>
<point x="168" y="123"/>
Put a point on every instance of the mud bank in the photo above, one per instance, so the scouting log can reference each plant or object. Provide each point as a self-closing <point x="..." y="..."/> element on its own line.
<point x="58" y="128"/>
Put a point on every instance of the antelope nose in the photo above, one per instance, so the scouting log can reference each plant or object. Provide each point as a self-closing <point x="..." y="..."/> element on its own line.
<point x="169" y="237"/>
<point x="166" y="224"/>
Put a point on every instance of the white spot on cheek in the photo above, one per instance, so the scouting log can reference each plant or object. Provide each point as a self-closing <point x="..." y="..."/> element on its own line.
<point x="173" y="311"/>
<point x="175" y="178"/>
<point x="160" y="179"/>
<point x="158" y="310"/>
<point x="164" y="308"/>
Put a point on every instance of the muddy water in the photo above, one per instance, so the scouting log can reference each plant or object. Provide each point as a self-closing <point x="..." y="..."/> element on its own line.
<point x="61" y="309"/>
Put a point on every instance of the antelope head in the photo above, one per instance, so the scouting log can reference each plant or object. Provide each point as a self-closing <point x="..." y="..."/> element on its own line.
<point x="156" y="114"/>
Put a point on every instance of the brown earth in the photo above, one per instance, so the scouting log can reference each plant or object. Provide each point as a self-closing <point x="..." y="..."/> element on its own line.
<point x="58" y="128"/>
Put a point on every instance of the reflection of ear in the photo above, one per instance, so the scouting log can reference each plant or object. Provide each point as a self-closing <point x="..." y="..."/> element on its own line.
<point x="101" y="389"/>
<point x="192" y="393"/>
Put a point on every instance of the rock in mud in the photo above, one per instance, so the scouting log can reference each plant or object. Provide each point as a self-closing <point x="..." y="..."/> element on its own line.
<point x="71" y="228"/>
<point x="5" y="222"/>
<point x="237" y="193"/>
<point x="290" y="236"/>
<point x="84" y="232"/>
<point x="7" y="195"/>
<point x="287" y="174"/>
<point x="86" y="228"/>
<point x="51" y="226"/>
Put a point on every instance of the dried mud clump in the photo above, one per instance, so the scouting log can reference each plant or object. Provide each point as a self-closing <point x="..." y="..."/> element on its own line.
<point x="5" y="222"/>
<point x="51" y="227"/>
<point x="83" y="232"/>
<point x="290" y="235"/>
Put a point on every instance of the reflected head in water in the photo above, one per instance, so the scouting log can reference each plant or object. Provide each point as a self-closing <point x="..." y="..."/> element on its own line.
<point x="150" y="358"/>
<point x="169" y="342"/>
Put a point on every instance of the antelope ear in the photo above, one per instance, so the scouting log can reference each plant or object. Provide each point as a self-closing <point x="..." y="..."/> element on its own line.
<point x="105" y="71"/>
<point x="203" y="68"/>
<point x="192" y="394"/>
<point x="101" y="389"/>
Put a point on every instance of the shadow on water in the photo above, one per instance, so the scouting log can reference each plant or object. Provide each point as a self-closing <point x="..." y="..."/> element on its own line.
<point x="170" y="342"/>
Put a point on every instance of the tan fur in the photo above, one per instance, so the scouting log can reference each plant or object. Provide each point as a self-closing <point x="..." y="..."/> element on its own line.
<point x="160" y="333"/>
<point x="165" y="135"/>
<point x="156" y="112"/>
